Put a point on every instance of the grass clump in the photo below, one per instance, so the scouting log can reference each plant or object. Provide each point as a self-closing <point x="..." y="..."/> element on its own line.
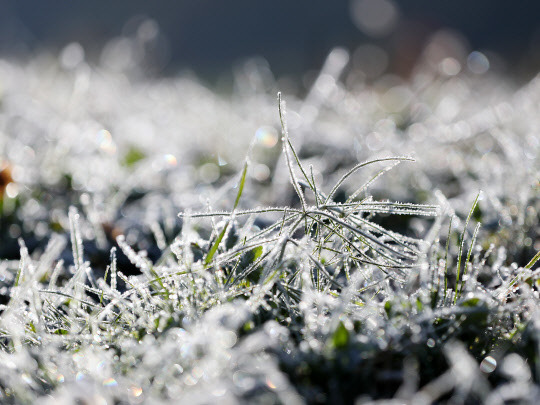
<point x="296" y="282"/>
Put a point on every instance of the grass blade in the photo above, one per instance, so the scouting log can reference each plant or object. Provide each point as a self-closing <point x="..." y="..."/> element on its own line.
<point x="359" y="166"/>
<point x="533" y="260"/>
<point x="462" y="243"/>
<point x="286" y="149"/>
<point x="215" y="246"/>
<point x="241" y="185"/>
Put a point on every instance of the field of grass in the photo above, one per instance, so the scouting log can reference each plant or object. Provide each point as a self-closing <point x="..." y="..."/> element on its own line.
<point x="365" y="241"/>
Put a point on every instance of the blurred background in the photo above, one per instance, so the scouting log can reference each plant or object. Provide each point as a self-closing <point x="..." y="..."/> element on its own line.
<point x="293" y="37"/>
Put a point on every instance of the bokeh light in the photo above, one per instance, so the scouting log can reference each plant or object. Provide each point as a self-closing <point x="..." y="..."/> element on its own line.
<point x="105" y="141"/>
<point x="375" y="18"/>
<point x="267" y="136"/>
<point x="72" y="55"/>
<point x="477" y="62"/>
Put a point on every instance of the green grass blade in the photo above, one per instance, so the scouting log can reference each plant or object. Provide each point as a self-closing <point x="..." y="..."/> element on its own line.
<point x="215" y="246"/>
<point x="462" y="243"/>
<point x="533" y="260"/>
<point x="446" y="259"/>
<point x="473" y="241"/>
<point x="241" y="185"/>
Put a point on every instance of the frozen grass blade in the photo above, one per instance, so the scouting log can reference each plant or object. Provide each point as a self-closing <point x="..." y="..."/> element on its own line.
<point x="76" y="239"/>
<point x="240" y="186"/>
<point x="446" y="275"/>
<point x="286" y="150"/>
<point x="215" y="246"/>
<point x="467" y="260"/>
<point x="462" y="244"/>
<point x="359" y="166"/>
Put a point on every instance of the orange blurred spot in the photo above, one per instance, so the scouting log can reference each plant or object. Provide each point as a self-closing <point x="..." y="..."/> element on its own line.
<point x="5" y="177"/>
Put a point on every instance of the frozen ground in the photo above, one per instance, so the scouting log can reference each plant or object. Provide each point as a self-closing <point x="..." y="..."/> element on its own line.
<point x="162" y="243"/>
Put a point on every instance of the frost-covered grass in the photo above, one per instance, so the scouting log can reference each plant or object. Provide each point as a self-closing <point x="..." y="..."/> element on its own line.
<point x="161" y="243"/>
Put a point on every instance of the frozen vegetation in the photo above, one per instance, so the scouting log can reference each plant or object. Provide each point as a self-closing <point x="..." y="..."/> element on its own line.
<point x="368" y="240"/>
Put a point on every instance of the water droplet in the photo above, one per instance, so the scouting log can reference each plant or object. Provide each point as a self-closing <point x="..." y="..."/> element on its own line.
<point x="430" y="342"/>
<point x="488" y="365"/>
<point x="12" y="190"/>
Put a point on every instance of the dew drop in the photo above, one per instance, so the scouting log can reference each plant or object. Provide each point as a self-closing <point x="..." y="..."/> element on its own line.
<point x="12" y="190"/>
<point x="488" y="365"/>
